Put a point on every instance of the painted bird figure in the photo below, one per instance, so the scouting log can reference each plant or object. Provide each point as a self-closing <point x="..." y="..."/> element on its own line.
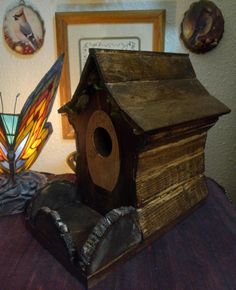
<point x="23" y="29"/>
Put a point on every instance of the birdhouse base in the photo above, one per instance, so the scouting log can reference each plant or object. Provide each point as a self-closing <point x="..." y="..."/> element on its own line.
<point x="91" y="245"/>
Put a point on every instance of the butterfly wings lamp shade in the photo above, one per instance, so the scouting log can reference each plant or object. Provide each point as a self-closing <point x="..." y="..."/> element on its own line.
<point x="22" y="136"/>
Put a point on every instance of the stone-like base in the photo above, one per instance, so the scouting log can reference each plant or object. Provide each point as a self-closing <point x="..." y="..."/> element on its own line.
<point x="13" y="196"/>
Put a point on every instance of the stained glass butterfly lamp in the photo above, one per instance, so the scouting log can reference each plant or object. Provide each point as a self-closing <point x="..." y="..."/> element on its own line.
<point x="22" y="137"/>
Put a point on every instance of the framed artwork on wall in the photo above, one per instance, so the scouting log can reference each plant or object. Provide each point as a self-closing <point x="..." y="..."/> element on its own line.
<point x="79" y="31"/>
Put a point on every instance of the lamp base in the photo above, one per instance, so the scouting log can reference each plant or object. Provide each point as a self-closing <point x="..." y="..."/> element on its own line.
<point x="14" y="195"/>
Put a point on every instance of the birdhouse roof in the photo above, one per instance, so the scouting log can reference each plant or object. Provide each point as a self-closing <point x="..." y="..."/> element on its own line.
<point x="156" y="90"/>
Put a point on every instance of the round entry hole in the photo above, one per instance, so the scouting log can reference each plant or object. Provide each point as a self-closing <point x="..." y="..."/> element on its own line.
<point x="102" y="141"/>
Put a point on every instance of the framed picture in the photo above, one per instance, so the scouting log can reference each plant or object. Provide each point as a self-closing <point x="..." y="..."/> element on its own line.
<point x="79" y="31"/>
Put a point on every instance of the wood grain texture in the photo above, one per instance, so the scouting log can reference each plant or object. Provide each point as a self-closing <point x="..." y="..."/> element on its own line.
<point x="164" y="209"/>
<point x="167" y="178"/>
<point x="95" y="196"/>
<point x="167" y="166"/>
<point x="103" y="155"/>
<point x="65" y="85"/>
<point x="160" y="156"/>
<point x="164" y="103"/>
<point x="125" y="66"/>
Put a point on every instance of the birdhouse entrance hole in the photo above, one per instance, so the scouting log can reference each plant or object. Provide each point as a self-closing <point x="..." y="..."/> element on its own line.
<point x="102" y="141"/>
<point x="102" y="151"/>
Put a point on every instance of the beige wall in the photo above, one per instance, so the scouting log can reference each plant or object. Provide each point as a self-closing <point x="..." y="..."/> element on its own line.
<point x="216" y="70"/>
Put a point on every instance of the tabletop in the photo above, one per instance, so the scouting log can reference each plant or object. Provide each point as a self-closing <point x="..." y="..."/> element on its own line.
<point x="199" y="253"/>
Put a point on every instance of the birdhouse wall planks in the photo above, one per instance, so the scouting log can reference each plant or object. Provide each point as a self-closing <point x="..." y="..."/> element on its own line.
<point x="141" y="122"/>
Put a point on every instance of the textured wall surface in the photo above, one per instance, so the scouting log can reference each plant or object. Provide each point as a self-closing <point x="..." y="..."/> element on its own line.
<point x="216" y="70"/>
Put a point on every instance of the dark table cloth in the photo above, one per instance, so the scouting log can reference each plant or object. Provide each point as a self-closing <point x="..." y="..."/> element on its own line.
<point x="199" y="253"/>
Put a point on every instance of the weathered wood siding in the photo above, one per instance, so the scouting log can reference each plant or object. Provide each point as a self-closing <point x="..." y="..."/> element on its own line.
<point x="169" y="165"/>
<point x="165" y="208"/>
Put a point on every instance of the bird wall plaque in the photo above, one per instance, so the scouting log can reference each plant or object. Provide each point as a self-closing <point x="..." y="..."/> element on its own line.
<point x="202" y="27"/>
<point x="23" y="29"/>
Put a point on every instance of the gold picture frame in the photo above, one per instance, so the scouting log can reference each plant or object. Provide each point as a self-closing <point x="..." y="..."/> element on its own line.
<point x="65" y="20"/>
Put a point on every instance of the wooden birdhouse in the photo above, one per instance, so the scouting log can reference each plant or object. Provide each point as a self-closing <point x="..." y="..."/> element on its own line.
<point x="140" y="121"/>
